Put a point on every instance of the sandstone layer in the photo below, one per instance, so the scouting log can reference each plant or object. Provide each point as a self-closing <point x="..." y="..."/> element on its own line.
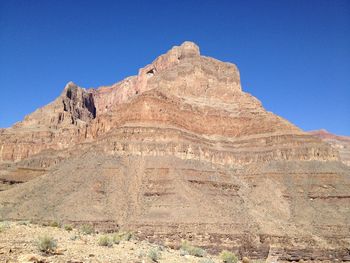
<point x="341" y="143"/>
<point x="179" y="151"/>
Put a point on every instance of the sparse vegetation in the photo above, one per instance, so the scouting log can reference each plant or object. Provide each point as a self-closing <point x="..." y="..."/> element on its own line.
<point x="198" y="252"/>
<point x="117" y="238"/>
<point x="73" y="237"/>
<point x="188" y="249"/>
<point x="4" y="225"/>
<point x="87" y="229"/>
<point x="123" y="236"/>
<point x="153" y="255"/>
<point x="105" y="241"/>
<point x="55" y="224"/>
<point x="228" y="257"/>
<point x="127" y="236"/>
<point x="24" y="223"/>
<point x="68" y="228"/>
<point x="46" y="244"/>
<point x="97" y="246"/>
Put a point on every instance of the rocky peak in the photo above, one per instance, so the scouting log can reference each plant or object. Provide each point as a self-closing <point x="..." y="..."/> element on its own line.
<point x="183" y="71"/>
<point x="78" y="102"/>
<point x="186" y="50"/>
<point x="69" y="85"/>
<point x="172" y="57"/>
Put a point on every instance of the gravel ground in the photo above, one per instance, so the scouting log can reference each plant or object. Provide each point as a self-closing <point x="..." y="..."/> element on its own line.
<point x="19" y="243"/>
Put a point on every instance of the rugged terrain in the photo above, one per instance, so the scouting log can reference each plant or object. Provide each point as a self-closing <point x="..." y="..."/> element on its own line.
<point x="19" y="242"/>
<point x="341" y="143"/>
<point x="179" y="152"/>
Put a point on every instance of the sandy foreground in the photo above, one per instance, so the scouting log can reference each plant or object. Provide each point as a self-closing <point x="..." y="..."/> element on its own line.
<point x="19" y="243"/>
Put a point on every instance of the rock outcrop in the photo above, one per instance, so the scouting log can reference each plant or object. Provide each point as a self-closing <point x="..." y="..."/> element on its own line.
<point x="341" y="143"/>
<point x="179" y="151"/>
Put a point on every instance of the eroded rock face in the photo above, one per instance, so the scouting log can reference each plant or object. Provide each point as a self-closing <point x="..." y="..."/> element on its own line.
<point x="341" y="143"/>
<point x="79" y="103"/>
<point x="179" y="151"/>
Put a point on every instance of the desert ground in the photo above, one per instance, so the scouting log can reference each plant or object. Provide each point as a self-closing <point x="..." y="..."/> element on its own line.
<point x="23" y="242"/>
<point x="20" y="242"/>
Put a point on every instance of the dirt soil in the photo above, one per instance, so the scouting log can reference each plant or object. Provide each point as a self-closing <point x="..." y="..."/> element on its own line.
<point x="19" y="243"/>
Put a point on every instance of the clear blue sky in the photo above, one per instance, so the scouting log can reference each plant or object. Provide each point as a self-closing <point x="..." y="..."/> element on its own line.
<point x="293" y="55"/>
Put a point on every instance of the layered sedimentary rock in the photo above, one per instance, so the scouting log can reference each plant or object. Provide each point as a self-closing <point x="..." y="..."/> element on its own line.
<point x="341" y="143"/>
<point x="179" y="151"/>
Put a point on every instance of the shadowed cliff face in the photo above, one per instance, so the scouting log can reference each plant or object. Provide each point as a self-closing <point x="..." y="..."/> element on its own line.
<point x="179" y="150"/>
<point x="79" y="103"/>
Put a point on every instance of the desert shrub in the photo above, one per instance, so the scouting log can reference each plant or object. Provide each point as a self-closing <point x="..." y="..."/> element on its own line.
<point x="116" y="238"/>
<point x="161" y="247"/>
<point x="153" y="255"/>
<point x="206" y="260"/>
<point x="123" y="236"/>
<point x="4" y="225"/>
<point x="185" y="245"/>
<point x="105" y="241"/>
<point x="127" y="236"/>
<point x="55" y="224"/>
<point x="198" y="252"/>
<point x="24" y="223"/>
<point x="183" y="252"/>
<point x="73" y="237"/>
<point x="87" y="229"/>
<point x="188" y="249"/>
<point x="228" y="257"/>
<point x="46" y="244"/>
<point x="68" y="228"/>
<point x="140" y="254"/>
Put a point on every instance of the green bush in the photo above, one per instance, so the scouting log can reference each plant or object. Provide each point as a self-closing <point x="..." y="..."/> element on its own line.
<point x="46" y="244"/>
<point x="105" y="241"/>
<point x="87" y="229"/>
<point x="153" y="255"/>
<point x="188" y="249"/>
<point x="228" y="257"/>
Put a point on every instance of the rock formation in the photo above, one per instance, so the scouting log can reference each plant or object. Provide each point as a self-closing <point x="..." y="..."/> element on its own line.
<point x="341" y="143"/>
<point x="179" y="152"/>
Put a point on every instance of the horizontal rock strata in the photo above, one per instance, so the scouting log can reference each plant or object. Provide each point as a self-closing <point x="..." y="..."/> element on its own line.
<point x="179" y="151"/>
